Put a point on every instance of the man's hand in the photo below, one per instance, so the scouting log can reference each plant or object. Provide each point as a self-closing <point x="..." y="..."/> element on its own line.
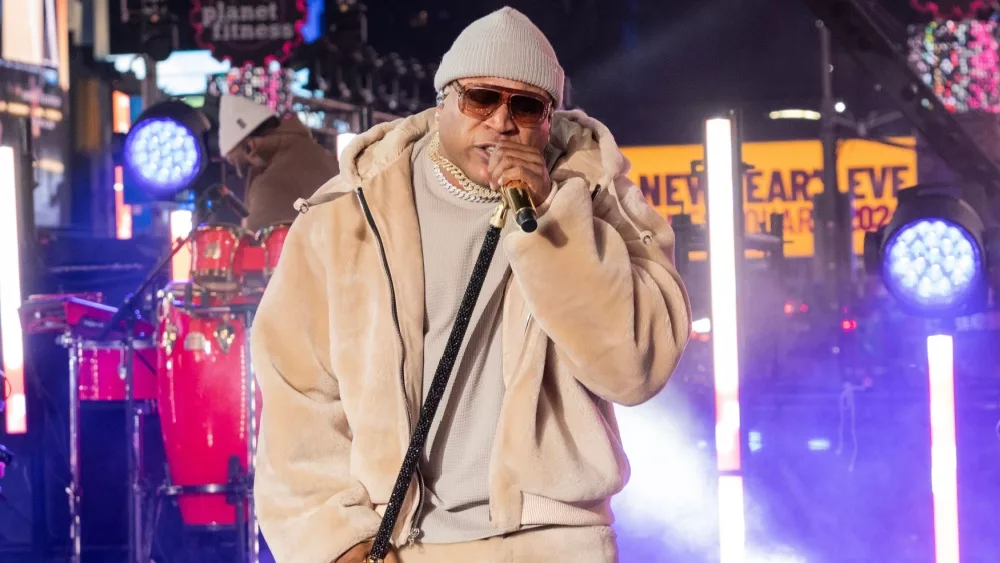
<point x="514" y="161"/>
<point x="358" y="553"/>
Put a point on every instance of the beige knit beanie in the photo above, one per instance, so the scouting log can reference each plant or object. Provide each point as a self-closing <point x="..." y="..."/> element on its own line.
<point x="504" y="44"/>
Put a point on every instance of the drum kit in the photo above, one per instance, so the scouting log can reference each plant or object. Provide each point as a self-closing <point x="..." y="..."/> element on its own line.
<point x="191" y="368"/>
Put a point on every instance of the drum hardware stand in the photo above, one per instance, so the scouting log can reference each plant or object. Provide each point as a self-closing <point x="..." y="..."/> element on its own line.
<point x="236" y="490"/>
<point x="151" y="523"/>
<point x="134" y="414"/>
<point x="128" y="314"/>
<point x="73" y="489"/>
<point x="240" y="495"/>
<point x="252" y="551"/>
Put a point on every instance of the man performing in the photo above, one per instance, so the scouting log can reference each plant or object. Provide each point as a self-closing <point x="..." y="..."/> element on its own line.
<point x="586" y="312"/>
<point x="278" y="158"/>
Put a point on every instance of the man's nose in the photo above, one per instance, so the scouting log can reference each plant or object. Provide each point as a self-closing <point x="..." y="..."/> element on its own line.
<point x="502" y="121"/>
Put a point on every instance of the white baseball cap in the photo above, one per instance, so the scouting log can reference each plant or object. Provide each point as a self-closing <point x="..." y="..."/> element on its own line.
<point x="238" y="117"/>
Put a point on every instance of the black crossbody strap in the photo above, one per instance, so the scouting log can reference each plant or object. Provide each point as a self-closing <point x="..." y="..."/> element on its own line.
<point x="380" y="546"/>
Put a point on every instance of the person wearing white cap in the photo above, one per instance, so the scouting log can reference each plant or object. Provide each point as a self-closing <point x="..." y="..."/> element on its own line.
<point x="586" y="312"/>
<point x="278" y="159"/>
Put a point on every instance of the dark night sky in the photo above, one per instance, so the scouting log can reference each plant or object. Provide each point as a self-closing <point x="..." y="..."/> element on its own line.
<point x="652" y="69"/>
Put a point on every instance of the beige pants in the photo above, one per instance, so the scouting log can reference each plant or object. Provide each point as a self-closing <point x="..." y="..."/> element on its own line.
<point x="543" y="545"/>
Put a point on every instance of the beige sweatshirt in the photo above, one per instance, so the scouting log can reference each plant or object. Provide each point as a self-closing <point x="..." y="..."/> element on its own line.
<point x="455" y="464"/>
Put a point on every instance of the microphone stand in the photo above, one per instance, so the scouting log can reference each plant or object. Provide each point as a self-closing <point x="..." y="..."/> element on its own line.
<point x="128" y="314"/>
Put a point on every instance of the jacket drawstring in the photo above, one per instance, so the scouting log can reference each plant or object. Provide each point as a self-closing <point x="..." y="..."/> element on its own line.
<point x="302" y="205"/>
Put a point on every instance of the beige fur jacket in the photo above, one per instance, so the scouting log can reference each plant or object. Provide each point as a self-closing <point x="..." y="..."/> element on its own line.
<point x="594" y="314"/>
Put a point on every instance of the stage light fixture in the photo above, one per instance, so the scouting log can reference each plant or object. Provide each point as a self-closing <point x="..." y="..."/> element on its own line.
<point x="932" y="255"/>
<point x="166" y="149"/>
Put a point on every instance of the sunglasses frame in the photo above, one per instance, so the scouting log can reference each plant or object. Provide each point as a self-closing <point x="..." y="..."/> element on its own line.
<point x="505" y="97"/>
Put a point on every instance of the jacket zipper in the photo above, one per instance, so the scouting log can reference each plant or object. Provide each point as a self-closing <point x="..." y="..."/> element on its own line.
<point x="414" y="530"/>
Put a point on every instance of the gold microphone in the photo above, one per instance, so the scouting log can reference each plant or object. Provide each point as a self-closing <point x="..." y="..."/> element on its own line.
<point x="516" y="194"/>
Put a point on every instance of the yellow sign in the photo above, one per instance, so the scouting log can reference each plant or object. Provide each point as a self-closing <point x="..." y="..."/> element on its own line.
<point x="784" y="178"/>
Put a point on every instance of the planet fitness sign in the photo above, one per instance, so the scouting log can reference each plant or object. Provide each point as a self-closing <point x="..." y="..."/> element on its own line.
<point x="248" y="31"/>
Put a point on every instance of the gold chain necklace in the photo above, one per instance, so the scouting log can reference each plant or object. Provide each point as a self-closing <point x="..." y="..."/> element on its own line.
<point x="467" y="185"/>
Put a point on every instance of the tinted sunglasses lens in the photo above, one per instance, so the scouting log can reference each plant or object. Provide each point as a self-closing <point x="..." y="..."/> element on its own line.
<point x="527" y="109"/>
<point x="482" y="101"/>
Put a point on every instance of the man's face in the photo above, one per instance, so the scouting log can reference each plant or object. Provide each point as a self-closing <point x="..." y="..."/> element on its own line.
<point x="464" y="138"/>
<point x="239" y="158"/>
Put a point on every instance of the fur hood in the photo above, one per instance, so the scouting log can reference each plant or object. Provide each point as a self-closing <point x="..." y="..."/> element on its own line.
<point x="579" y="145"/>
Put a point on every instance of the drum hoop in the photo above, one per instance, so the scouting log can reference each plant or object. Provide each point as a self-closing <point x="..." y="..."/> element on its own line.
<point x="94" y="346"/>
<point x="231" y="309"/>
<point x="181" y="288"/>
<point x="210" y="489"/>
<point x="230" y="227"/>
<point x="224" y="274"/>
<point x="266" y="231"/>
<point x="172" y="290"/>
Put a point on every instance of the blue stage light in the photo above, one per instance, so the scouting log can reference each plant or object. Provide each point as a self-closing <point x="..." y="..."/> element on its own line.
<point x="164" y="152"/>
<point x="932" y="263"/>
<point x="932" y="256"/>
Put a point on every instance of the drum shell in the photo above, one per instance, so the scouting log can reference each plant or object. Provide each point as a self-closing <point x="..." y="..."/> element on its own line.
<point x="249" y="264"/>
<point x="202" y="360"/>
<point x="213" y="254"/>
<point x="272" y="238"/>
<point x="101" y="371"/>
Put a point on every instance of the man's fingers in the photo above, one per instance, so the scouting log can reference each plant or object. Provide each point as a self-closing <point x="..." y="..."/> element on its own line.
<point x="512" y="168"/>
<point x="526" y="151"/>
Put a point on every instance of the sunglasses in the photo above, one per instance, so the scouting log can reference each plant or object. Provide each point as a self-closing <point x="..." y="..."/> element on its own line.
<point x="526" y="109"/>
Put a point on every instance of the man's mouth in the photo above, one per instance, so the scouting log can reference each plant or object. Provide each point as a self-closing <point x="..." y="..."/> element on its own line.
<point x="486" y="151"/>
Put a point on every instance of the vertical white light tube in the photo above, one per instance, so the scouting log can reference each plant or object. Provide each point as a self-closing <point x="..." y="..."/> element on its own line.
<point x="944" y="452"/>
<point x="721" y="191"/>
<point x="11" y="338"/>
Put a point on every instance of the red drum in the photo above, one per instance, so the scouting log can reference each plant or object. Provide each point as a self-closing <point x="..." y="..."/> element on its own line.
<point x="213" y="253"/>
<point x="249" y="264"/>
<point x="102" y="371"/>
<point x="272" y="238"/>
<point x="204" y="374"/>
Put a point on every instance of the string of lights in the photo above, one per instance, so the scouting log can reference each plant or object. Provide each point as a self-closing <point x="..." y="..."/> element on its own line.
<point x="271" y="87"/>
<point x="959" y="60"/>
